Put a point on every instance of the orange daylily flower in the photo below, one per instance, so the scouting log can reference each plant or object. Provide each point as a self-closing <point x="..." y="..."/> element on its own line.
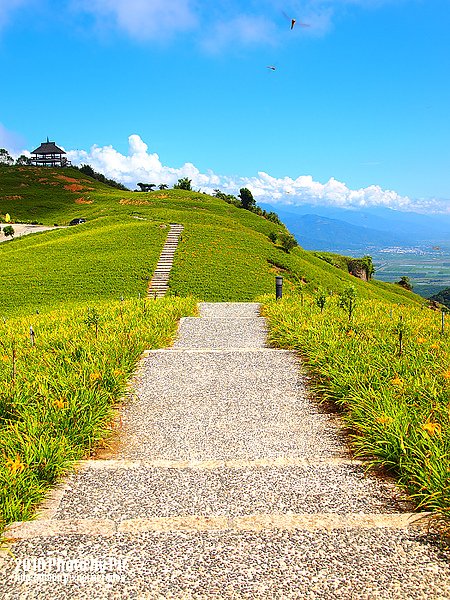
<point x="432" y="428"/>
<point x="16" y="465"/>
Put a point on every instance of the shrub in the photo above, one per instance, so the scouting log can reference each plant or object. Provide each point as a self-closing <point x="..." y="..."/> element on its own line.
<point x="288" y="241"/>
<point x="8" y="231"/>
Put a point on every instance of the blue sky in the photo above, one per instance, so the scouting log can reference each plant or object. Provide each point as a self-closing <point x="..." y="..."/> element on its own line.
<point x="356" y="112"/>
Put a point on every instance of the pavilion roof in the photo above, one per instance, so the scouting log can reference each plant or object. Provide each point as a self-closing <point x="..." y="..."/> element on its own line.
<point x="48" y="148"/>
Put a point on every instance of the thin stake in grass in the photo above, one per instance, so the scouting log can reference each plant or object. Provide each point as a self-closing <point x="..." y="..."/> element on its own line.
<point x="93" y="319"/>
<point x="400" y="331"/>
<point x="13" y="370"/>
<point x="32" y="335"/>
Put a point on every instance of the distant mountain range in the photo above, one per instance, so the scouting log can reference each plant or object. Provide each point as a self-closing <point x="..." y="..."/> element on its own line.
<point x="343" y="230"/>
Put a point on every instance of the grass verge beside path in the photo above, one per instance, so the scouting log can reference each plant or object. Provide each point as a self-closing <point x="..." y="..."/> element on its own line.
<point x="58" y="394"/>
<point x="396" y="404"/>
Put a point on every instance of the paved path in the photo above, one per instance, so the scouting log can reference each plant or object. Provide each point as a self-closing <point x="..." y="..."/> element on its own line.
<point x="159" y="284"/>
<point x="229" y="483"/>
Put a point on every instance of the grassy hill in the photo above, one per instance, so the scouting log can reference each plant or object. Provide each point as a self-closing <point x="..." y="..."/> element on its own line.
<point x="61" y="377"/>
<point x="225" y="252"/>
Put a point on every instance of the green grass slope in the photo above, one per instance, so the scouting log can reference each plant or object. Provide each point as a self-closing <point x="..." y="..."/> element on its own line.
<point x="224" y="254"/>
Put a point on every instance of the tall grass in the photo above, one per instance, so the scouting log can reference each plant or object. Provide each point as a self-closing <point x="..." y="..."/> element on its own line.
<point x="395" y="400"/>
<point x="58" y="394"/>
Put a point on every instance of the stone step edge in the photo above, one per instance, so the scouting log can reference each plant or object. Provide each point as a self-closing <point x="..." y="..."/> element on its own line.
<point x="213" y="464"/>
<point x="225" y="350"/>
<point x="256" y="318"/>
<point x="195" y="523"/>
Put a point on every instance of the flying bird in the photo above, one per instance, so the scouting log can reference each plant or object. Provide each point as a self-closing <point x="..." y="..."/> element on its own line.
<point x="271" y="67"/>
<point x="294" y="21"/>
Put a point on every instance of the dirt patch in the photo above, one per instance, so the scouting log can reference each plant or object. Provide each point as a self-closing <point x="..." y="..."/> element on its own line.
<point x="68" y="179"/>
<point x="12" y="198"/>
<point x="129" y="202"/>
<point x="83" y="201"/>
<point x="74" y="187"/>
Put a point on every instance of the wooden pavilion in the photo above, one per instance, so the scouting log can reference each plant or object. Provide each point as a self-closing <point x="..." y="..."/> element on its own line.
<point x="49" y="155"/>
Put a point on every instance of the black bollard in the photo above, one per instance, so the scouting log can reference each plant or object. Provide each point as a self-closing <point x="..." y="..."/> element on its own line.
<point x="278" y="287"/>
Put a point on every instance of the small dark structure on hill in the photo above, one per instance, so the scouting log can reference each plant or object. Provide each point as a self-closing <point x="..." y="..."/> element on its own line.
<point x="49" y="155"/>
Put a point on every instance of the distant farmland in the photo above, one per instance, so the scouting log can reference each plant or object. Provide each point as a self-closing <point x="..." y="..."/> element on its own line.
<point x="429" y="272"/>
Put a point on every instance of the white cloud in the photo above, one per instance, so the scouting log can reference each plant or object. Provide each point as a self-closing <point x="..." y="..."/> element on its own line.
<point x="140" y="165"/>
<point x="142" y="19"/>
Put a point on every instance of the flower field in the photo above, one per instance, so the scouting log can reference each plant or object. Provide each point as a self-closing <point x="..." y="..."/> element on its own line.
<point x="388" y="368"/>
<point x="60" y="382"/>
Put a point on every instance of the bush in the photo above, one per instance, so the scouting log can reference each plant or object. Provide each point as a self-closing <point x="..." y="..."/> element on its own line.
<point x="288" y="241"/>
<point x="88" y="170"/>
<point x="183" y="184"/>
<point x="8" y="231"/>
<point x="405" y="283"/>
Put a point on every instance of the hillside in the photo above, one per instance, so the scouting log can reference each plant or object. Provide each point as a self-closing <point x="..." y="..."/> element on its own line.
<point x="443" y="297"/>
<point x="225" y="252"/>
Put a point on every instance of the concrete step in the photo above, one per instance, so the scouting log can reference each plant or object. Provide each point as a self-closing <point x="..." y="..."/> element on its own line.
<point x="221" y="332"/>
<point x="124" y="490"/>
<point x="225" y="560"/>
<point x="224" y="405"/>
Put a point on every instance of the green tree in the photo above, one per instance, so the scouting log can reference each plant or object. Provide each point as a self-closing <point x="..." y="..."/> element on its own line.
<point x="183" y="184"/>
<point x="146" y="187"/>
<point x="163" y="186"/>
<point x="287" y="241"/>
<point x="8" y="231"/>
<point x="23" y="160"/>
<point x="229" y="198"/>
<point x="405" y="282"/>
<point x="246" y="198"/>
<point x="273" y="237"/>
<point x="5" y="158"/>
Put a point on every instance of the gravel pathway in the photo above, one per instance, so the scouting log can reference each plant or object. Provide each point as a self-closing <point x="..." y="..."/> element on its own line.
<point x="230" y="482"/>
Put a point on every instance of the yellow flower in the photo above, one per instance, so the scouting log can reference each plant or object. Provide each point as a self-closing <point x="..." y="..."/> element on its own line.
<point x="397" y="381"/>
<point x="421" y="340"/>
<point x="432" y="428"/>
<point x="16" y="465"/>
<point x="434" y="346"/>
<point x="384" y="420"/>
<point x="95" y="376"/>
<point x="118" y="372"/>
<point x="446" y="374"/>
<point x="59" y="403"/>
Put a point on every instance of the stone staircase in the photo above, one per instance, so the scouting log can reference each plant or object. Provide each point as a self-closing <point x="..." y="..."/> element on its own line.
<point x="230" y="482"/>
<point x="160" y="281"/>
